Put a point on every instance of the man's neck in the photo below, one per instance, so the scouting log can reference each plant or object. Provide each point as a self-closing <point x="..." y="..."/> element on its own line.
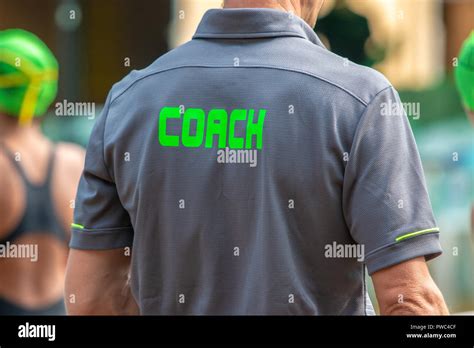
<point x="283" y="5"/>
<point x="292" y="6"/>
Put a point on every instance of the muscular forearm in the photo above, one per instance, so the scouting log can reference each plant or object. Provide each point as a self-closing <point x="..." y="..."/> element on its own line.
<point x="111" y="298"/>
<point x="97" y="284"/>
<point x="424" y="300"/>
<point x="408" y="289"/>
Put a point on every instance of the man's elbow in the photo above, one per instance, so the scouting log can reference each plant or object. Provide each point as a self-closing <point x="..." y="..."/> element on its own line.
<point x="82" y="299"/>
<point x="97" y="283"/>
<point x="85" y="307"/>
<point x="113" y="297"/>
<point x="420" y="300"/>
<point x="112" y="303"/>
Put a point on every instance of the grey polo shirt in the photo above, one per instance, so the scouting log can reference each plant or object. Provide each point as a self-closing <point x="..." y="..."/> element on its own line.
<point x="254" y="172"/>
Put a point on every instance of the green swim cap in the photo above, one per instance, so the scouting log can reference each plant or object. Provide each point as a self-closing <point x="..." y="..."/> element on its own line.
<point x="464" y="72"/>
<point x="28" y="75"/>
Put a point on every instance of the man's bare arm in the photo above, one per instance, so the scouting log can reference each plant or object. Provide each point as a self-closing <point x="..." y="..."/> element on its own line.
<point x="98" y="283"/>
<point x="408" y="289"/>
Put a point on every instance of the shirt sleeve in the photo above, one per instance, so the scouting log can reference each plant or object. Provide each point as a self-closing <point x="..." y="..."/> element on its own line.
<point x="385" y="200"/>
<point x="100" y="221"/>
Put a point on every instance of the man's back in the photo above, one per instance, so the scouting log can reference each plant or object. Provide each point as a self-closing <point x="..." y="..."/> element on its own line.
<point x="251" y="172"/>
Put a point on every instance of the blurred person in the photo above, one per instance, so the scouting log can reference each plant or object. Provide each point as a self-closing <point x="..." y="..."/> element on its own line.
<point x="355" y="44"/>
<point x="464" y="77"/>
<point x="252" y="171"/>
<point x="38" y="181"/>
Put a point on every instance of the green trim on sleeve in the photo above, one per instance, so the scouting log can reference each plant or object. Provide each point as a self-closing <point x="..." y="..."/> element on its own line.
<point x="73" y="225"/>
<point x="416" y="233"/>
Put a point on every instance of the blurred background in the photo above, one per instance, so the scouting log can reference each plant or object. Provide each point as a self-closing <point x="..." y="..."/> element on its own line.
<point x="415" y="43"/>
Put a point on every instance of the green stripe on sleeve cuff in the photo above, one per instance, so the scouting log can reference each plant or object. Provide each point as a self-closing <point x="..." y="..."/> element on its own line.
<point x="73" y="225"/>
<point x="416" y="233"/>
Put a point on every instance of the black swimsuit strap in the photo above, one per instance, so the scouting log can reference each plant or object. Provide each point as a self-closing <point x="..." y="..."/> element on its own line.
<point x="39" y="214"/>
<point x="12" y="157"/>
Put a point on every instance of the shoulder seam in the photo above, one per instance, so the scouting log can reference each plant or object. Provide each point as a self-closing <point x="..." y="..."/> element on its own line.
<point x="365" y="109"/>
<point x="301" y="71"/>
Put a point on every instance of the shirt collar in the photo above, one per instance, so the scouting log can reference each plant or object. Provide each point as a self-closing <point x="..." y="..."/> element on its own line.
<point x="250" y="23"/>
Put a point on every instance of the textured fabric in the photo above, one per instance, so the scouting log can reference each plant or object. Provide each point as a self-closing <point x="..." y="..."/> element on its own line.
<point x="336" y="166"/>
